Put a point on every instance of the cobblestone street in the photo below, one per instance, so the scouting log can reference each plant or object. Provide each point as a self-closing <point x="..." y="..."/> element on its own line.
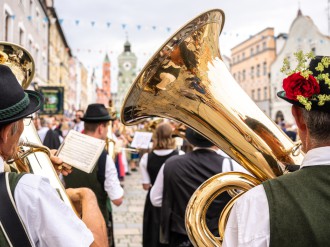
<point x="128" y="216"/>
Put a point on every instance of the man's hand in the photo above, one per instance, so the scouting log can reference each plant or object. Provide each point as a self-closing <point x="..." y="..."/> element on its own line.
<point x="59" y="165"/>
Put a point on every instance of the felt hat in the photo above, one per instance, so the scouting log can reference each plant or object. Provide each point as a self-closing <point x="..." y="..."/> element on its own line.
<point x="315" y="89"/>
<point x="197" y="139"/>
<point x="96" y="113"/>
<point x="15" y="102"/>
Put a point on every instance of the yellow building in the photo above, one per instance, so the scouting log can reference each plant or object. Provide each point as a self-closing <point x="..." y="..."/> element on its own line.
<point x="59" y="57"/>
<point x="250" y="66"/>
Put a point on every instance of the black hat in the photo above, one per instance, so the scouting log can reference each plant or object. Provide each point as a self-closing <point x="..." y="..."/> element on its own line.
<point x="315" y="90"/>
<point x="96" y="113"/>
<point x="15" y="102"/>
<point x="197" y="140"/>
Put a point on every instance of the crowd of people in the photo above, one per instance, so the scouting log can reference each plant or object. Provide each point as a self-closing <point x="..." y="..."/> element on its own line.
<point x="290" y="210"/>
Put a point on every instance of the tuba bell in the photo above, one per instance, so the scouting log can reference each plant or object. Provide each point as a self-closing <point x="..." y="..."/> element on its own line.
<point x="186" y="80"/>
<point x="36" y="156"/>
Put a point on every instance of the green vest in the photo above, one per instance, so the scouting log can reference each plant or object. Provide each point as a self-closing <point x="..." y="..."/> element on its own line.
<point x="78" y="179"/>
<point x="13" y="180"/>
<point x="299" y="208"/>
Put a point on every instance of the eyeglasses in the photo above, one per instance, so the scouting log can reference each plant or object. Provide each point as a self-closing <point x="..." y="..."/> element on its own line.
<point x="27" y="120"/>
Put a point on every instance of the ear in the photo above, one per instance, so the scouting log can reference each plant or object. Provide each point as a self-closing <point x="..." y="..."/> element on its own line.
<point x="6" y="132"/>
<point x="297" y="114"/>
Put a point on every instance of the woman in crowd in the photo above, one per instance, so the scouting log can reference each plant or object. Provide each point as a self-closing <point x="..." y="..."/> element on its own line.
<point x="163" y="148"/>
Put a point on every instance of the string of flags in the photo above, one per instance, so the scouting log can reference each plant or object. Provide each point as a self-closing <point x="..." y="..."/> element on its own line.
<point x="125" y="26"/>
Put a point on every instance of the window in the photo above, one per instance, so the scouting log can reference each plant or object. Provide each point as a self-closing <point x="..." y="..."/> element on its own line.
<point x="259" y="91"/>
<point x="238" y="58"/>
<point x="31" y="8"/>
<point x="257" y="50"/>
<point x="251" y="52"/>
<point x="265" y="68"/>
<point x="243" y="75"/>
<point x="21" y="37"/>
<point x="7" y="27"/>
<point x="265" y="93"/>
<point x="264" y="45"/>
<point x="253" y="94"/>
<point x="243" y="55"/>
<point x="252" y="72"/>
<point x="235" y="76"/>
<point x="239" y="77"/>
<point x="258" y="70"/>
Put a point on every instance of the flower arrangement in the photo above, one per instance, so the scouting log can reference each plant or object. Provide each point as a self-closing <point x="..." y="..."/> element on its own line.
<point x="301" y="85"/>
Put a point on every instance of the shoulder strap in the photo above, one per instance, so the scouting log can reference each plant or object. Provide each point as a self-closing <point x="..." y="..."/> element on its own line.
<point x="10" y="222"/>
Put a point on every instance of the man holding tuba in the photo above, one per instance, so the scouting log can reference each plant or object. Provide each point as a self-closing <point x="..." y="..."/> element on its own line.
<point x="31" y="212"/>
<point x="293" y="210"/>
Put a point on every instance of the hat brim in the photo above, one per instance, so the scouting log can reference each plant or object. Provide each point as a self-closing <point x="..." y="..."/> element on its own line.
<point x="97" y="119"/>
<point x="315" y="105"/>
<point x="36" y="101"/>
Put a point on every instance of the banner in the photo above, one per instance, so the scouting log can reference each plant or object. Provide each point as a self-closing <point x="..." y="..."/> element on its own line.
<point x="53" y="100"/>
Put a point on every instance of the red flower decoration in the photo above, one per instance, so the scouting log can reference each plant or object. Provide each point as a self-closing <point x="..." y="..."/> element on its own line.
<point x="296" y="84"/>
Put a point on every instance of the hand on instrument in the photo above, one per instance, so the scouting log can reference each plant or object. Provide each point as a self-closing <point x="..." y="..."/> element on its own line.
<point x="59" y="165"/>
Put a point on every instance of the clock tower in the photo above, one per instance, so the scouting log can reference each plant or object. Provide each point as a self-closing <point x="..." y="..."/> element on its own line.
<point x="126" y="74"/>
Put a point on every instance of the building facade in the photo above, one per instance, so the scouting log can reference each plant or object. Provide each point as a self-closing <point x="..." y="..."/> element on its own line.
<point x="25" y="22"/>
<point x="127" y="62"/>
<point x="250" y="66"/>
<point x="59" y="56"/>
<point x="104" y="93"/>
<point x="303" y="35"/>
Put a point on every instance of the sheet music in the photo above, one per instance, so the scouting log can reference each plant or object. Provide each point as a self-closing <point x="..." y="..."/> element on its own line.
<point x="81" y="151"/>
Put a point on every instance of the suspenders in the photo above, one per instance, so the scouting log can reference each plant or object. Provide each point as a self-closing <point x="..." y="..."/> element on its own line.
<point x="11" y="224"/>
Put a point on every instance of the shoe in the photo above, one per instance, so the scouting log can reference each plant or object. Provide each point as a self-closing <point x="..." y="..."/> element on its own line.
<point x="128" y="173"/>
<point x="134" y="170"/>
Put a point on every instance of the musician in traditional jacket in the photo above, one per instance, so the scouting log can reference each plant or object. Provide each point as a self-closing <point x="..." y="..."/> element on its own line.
<point x="104" y="178"/>
<point x="293" y="210"/>
<point x="31" y="212"/>
<point x="178" y="179"/>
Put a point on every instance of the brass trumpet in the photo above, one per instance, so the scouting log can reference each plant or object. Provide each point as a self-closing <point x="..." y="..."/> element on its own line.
<point x="36" y="160"/>
<point x="198" y="90"/>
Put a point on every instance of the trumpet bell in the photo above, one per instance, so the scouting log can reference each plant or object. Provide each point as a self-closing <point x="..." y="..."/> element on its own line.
<point x="19" y="61"/>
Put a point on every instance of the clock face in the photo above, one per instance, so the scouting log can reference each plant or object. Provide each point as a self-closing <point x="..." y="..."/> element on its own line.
<point x="127" y="65"/>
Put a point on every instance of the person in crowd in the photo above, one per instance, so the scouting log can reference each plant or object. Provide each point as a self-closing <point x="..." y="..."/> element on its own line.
<point x="292" y="210"/>
<point x="178" y="179"/>
<point x="104" y="178"/>
<point x="163" y="148"/>
<point x="32" y="214"/>
<point x="78" y="123"/>
<point x="48" y="136"/>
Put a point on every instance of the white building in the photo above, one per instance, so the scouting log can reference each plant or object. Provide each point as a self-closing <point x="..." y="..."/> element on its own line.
<point x="25" y="22"/>
<point x="303" y="35"/>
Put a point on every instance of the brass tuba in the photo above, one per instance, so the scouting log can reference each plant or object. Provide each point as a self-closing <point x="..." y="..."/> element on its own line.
<point x="22" y="64"/>
<point x="187" y="80"/>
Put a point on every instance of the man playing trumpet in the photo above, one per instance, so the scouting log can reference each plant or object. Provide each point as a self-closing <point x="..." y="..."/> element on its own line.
<point x="32" y="213"/>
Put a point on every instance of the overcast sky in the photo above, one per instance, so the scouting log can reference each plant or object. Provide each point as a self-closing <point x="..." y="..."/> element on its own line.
<point x="94" y="27"/>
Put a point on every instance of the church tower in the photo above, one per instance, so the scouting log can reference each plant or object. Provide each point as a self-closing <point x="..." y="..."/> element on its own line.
<point x="127" y="62"/>
<point x="104" y="93"/>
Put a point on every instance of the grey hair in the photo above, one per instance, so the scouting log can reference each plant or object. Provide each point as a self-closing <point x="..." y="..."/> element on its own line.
<point x="318" y="124"/>
<point x="14" y="128"/>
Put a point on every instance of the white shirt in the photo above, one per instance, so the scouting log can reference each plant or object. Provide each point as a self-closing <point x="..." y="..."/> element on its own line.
<point x="144" y="163"/>
<point x="111" y="183"/>
<point x="79" y="126"/>
<point x="42" y="133"/>
<point x="48" y="220"/>
<point x="156" y="193"/>
<point x="248" y="224"/>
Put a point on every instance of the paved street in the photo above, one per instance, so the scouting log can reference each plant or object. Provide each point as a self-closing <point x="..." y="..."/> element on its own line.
<point x="128" y="216"/>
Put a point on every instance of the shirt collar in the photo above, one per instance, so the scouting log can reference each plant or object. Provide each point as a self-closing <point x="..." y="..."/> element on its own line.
<point x="317" y="156"/>
<point x="2" y="165"/>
